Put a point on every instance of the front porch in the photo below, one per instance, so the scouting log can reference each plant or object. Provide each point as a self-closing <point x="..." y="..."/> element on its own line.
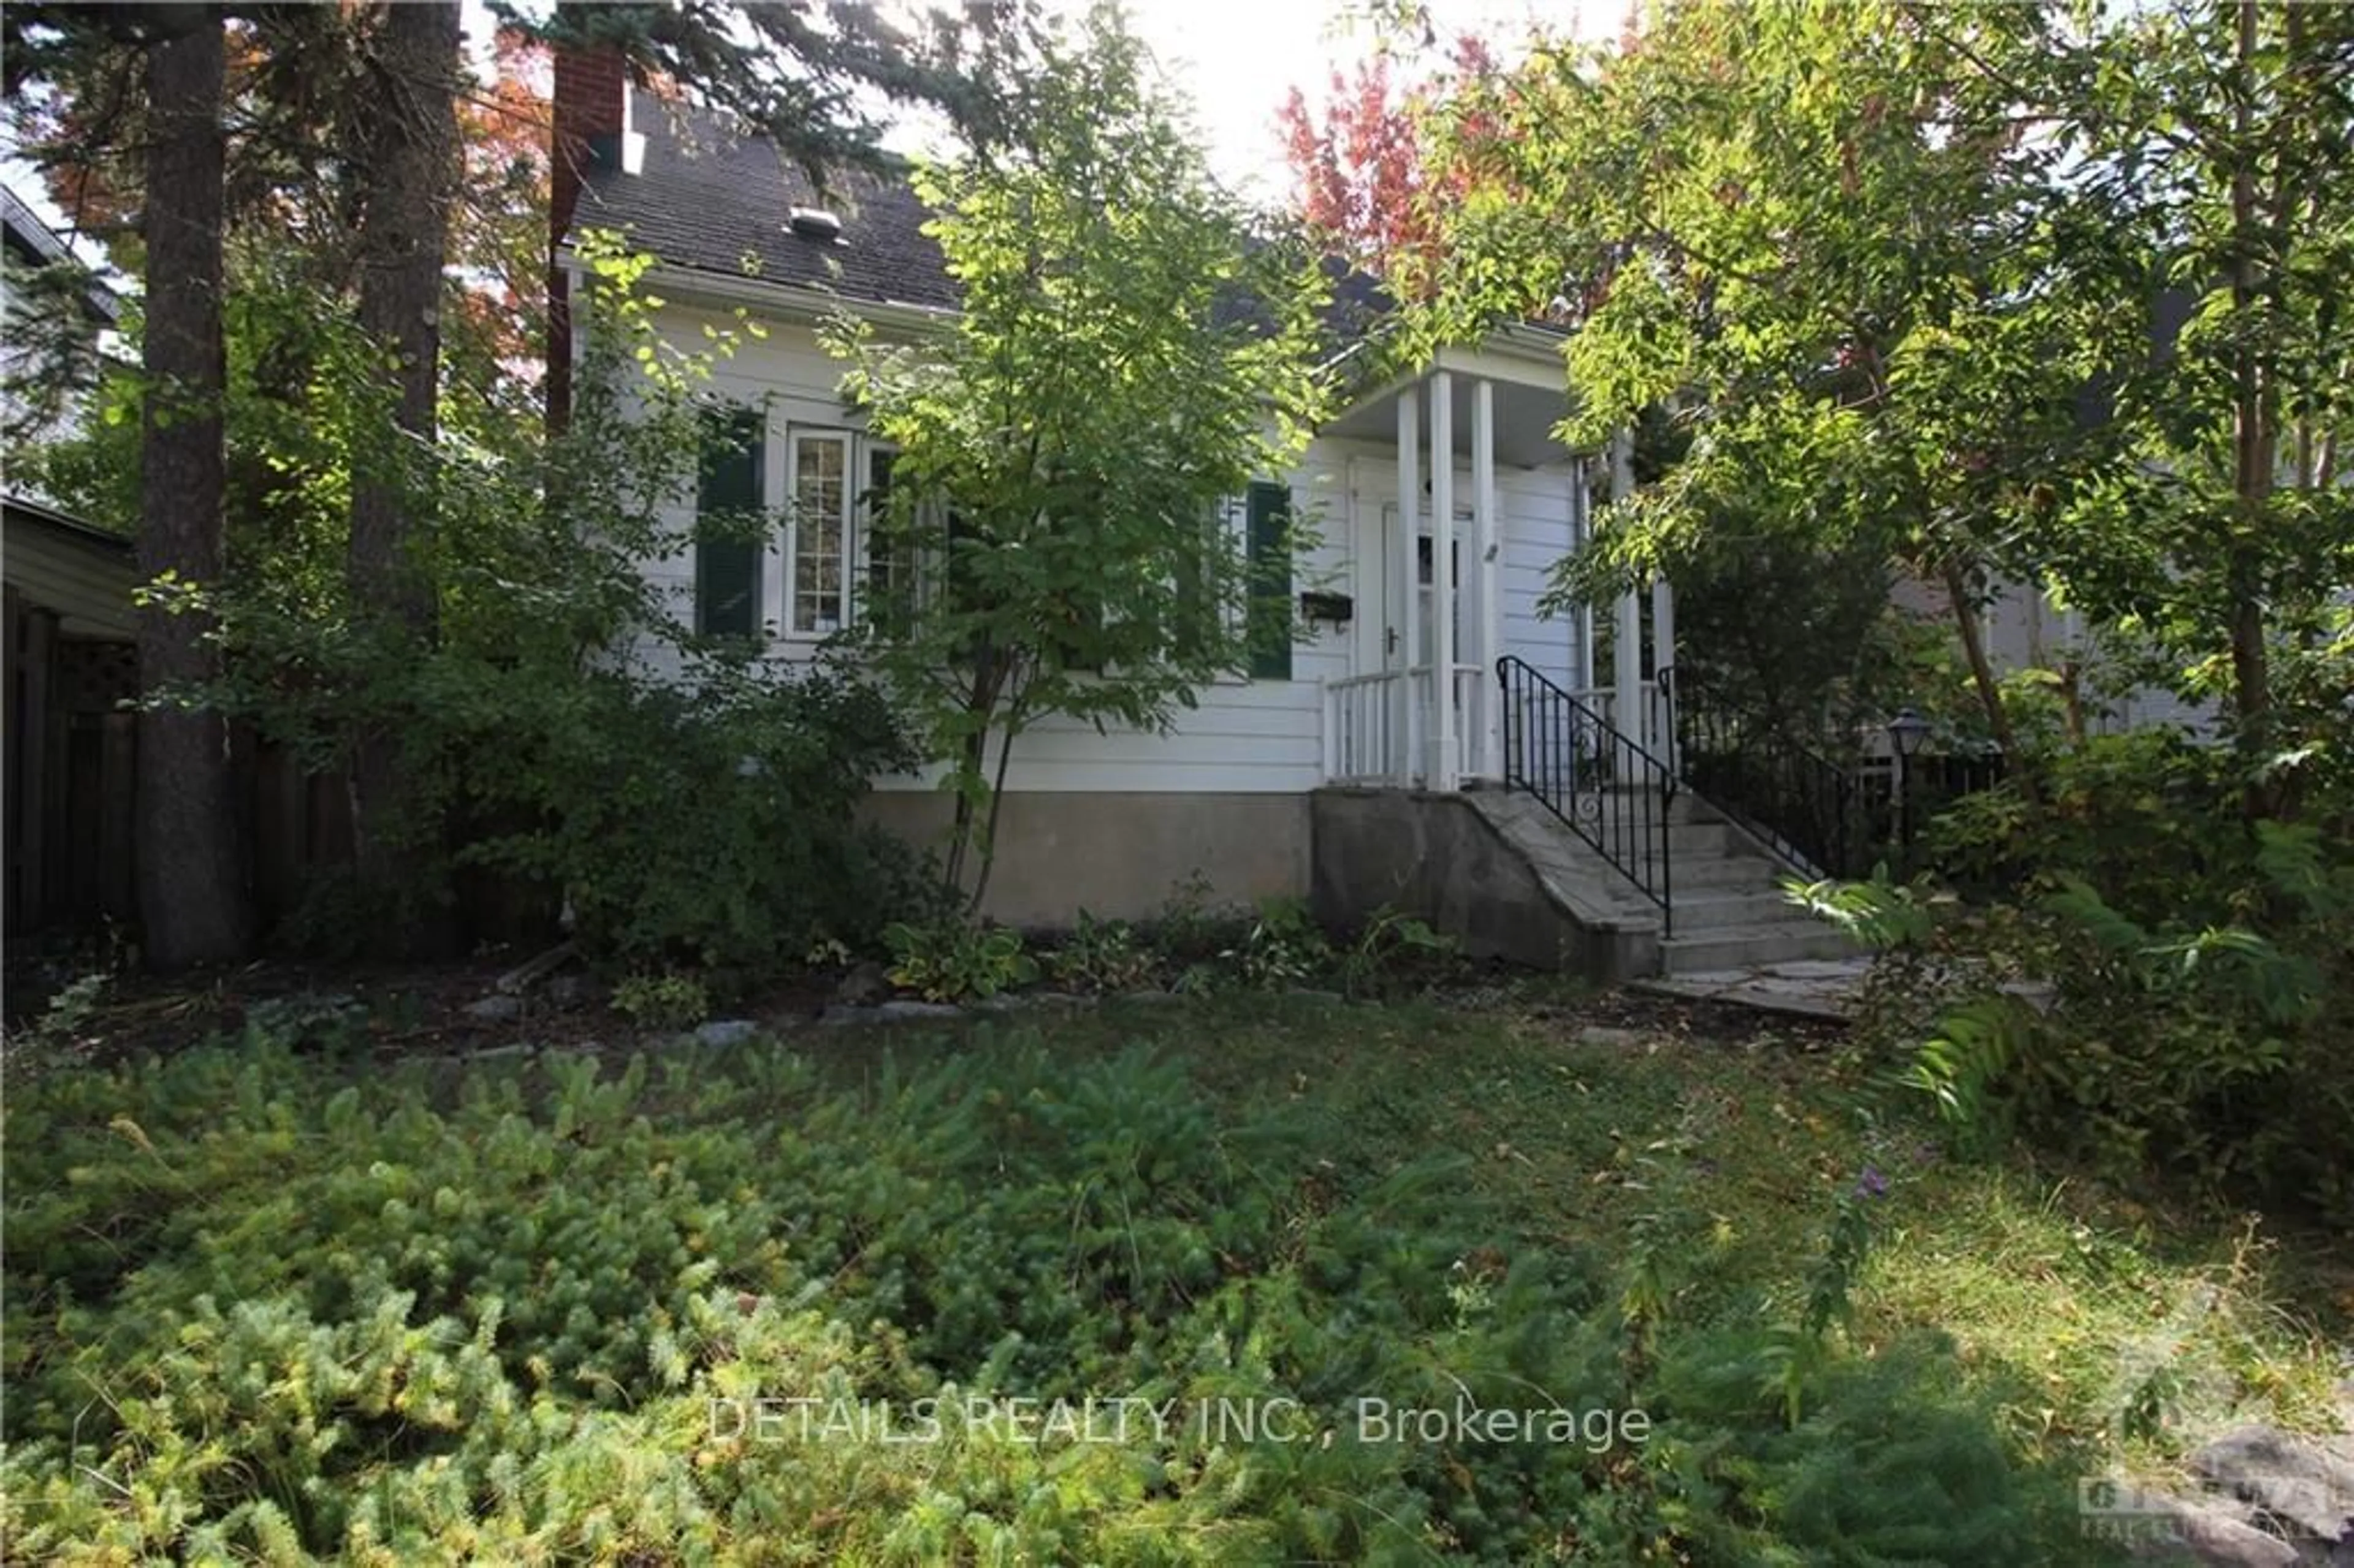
<point x="1511" y="773"/>
<point x="1422" y="705"/>
<point x="1392" y="730"/>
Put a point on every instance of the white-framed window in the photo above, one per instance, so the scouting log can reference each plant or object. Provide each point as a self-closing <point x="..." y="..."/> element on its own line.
<point x="821" y="486"/>
<point x="885" y="567"/>
<point x="1227" y="527"/>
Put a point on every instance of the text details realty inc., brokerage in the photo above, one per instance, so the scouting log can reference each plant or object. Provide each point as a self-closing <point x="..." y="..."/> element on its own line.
<point x="816" y="1419"/>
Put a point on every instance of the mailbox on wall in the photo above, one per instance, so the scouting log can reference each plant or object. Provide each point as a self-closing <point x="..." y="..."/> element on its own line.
<point x="1327" y="608"/>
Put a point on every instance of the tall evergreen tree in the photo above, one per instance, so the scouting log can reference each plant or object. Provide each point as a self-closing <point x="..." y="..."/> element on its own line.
<point x="191" y="895"/>
<point x="408" y="179"/>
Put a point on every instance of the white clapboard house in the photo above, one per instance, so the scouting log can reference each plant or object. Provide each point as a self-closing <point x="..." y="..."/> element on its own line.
<point x="1431" y="741"/>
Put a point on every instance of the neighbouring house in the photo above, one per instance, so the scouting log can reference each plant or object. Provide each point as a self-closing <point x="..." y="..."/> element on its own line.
<point x="2024" y="629"/>
<point x="1432" y="741"/>
<point x="71" y="654"/>
<point x="50" y="359"/>
<point x="72" y="661"/>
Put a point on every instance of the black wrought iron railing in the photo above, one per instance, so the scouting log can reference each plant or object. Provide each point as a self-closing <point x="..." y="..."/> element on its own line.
<point x="1610" y="792"/>
<point x="1807" y="806"/>
<point x="1901" y="800"/>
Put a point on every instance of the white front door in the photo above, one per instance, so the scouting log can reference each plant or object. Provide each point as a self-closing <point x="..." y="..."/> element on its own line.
<point x="1380" y="642"/>
<point x="1425" y="576"/>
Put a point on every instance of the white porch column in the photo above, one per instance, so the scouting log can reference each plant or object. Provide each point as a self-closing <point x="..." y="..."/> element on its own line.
<point x="1404" y="732"/>
<point x="1581" y="528"/>
<point x="1488" y="552"/>
<point x="1627" y="643"/>
<point x="1444" y="773"/>
<point x="1627" y="714"/>
<point x="1663" y="661"/>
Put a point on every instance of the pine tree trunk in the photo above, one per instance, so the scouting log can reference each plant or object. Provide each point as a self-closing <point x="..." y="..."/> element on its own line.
<point x="191" y="873"/>
<point x="411" y="150"/>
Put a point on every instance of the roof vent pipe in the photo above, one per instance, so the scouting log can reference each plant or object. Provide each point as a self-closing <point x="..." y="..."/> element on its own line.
<point x="814" y="223"/>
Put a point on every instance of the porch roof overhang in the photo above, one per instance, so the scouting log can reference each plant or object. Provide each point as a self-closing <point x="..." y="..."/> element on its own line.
<point x="1532" y="398"/>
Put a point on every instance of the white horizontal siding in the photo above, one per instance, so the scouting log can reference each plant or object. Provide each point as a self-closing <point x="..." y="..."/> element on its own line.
<point x="1538" y="507"/>
<point x="1241" y="738"/>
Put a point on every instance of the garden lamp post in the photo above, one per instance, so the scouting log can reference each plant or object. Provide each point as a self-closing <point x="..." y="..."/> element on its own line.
<point x="1906" y="731"/>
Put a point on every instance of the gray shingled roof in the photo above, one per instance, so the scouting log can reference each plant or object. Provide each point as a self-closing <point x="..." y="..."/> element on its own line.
<point x="710" y="200"/>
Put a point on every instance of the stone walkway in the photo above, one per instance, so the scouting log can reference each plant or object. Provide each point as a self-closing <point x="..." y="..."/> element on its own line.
<point x="1808" y="988"/>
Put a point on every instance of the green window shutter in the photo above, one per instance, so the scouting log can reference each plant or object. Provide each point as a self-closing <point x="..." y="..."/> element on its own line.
<point x="728" y="569"/>
<point x="1270" y="581"/>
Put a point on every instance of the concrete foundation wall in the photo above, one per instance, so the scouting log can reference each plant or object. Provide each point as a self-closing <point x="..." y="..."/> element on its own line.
<point x="1440" y="858"/>
<point x="1120" y="855"/>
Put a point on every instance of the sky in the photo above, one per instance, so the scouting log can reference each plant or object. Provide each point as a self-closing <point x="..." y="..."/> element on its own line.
<point x="1237" y="60"/>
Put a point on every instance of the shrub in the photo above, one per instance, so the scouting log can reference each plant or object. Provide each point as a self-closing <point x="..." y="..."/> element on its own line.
<point x="661" y="1002"/>
<point x="1101" y="956"/>
<point x="1393" y="951"/>
<point x="1283" y="945"/>
<point x="710" y="824"/>
<point x="1278" y="945"/>
<point x="52" y="1038"/>
<point x="2201" y="1040"/>
<point x="957" y="962"/>
<point x="2147" y="817"/>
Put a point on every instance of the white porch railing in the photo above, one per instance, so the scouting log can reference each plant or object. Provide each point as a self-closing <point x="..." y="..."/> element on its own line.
<point x="1360" y="713"/>
<point x="1365" y="725"/>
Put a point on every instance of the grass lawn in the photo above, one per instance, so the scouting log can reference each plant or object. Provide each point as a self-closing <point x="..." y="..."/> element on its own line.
<point x="1144" y="1283"/>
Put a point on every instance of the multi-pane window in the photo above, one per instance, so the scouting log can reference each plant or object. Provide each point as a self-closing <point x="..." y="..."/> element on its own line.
<point x="817" y="539"/>
<point x="887" y="573"/>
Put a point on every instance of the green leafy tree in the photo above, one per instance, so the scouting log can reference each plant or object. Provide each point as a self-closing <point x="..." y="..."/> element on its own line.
<point x="1779" y="225"/>
<point x="1911" y="276"/>
<point x="1130" y="358"/>
<point x="2210" y="172"/>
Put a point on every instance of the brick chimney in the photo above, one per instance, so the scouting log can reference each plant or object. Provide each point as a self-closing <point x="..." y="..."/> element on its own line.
<point x="592" y="124"/>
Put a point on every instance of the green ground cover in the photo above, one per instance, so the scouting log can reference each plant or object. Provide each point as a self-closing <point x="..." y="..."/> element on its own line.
<point x="1147" y="1284"/>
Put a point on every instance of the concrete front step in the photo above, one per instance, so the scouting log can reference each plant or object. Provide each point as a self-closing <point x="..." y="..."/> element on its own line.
<point x="1711" y="908"/>
<point x="1722" y="872"/>
<point x="1700" y="846"/>
<point x="1699" y="841"/>
<point x="1686" y="807"/>
<point x="1730" y="910"/>
<point x="1686" y="840"/>
<point x="1747" y="947"/>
